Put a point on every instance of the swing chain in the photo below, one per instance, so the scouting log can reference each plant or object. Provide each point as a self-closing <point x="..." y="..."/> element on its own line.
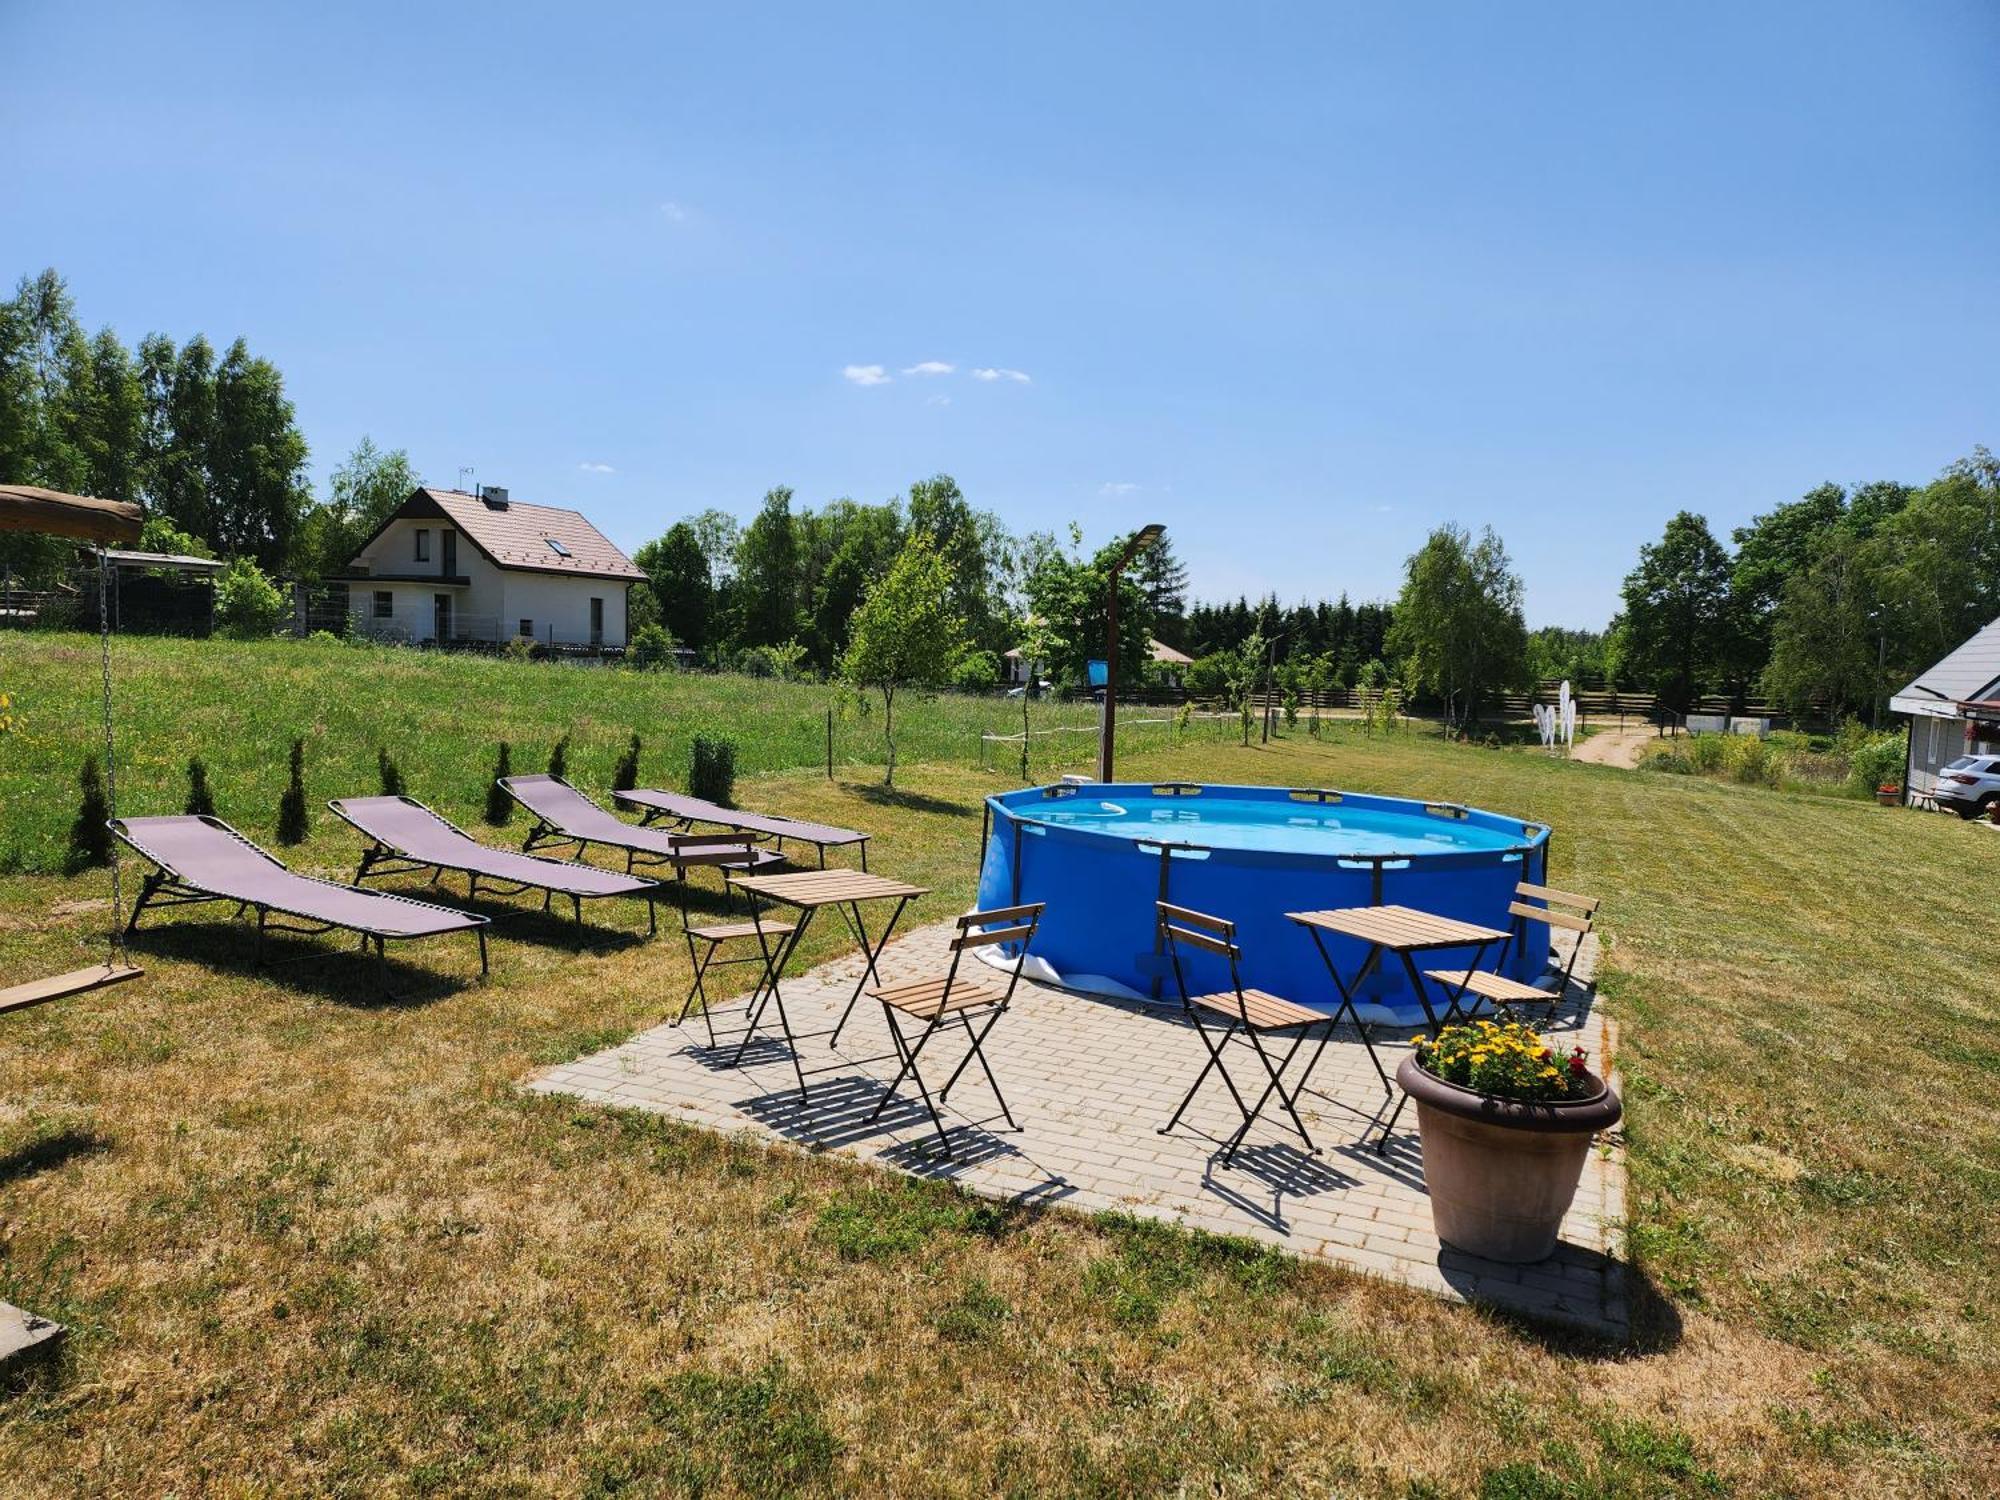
<point x="110" y="759"/>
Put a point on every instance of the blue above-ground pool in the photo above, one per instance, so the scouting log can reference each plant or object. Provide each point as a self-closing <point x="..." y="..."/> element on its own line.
<point x="1100" y="856"/>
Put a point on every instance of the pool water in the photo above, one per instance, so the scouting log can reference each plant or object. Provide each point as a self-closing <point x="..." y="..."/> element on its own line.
<point x="1233" y="823"/>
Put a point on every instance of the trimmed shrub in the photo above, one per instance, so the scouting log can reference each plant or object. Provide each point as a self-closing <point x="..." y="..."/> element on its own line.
<point x="89" y="839"/>
<point x="500" y="806"/>
<point x="625" y="775"/>
<point x="391" y="773"/>
<point x="293" y="821"/>
<point x="200" y="803"/>
<point x="559" y="758"/>
<point x="712" y="769"/>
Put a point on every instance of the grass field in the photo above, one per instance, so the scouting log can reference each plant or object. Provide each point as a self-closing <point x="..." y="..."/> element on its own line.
<point x="313" y="1243"/>
<point x="238" y="705"/>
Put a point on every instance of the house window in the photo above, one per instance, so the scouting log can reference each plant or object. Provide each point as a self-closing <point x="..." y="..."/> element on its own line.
<point x="597" y="622"/>
<point x="423" y="544"/>
<point x="556" y="547"/>
<point x="527" y="629"/>
<point x="385" y="604"/>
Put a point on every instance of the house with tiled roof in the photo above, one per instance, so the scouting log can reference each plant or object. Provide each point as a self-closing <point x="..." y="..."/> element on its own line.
<point x="452" y="567"/>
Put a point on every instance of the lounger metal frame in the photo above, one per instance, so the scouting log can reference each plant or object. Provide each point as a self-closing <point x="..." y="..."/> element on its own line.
<point x="165" y="886"/>
<point x="549" y="835"/>
<point x="380" y="858"/>
<point x="752" y="832"/>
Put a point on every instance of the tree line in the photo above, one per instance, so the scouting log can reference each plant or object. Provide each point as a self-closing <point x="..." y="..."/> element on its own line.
<point x="1826" y="600"/>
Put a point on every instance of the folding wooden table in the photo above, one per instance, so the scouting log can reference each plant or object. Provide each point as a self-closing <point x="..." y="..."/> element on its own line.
<point x="847" y="891"/>
<point x="1405" y="932"/>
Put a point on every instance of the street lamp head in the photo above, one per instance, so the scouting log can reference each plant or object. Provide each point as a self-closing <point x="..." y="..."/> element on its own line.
<point x="1143" y="538"/>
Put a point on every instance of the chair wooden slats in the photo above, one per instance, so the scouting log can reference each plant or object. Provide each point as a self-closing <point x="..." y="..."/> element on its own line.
<point x="974" y="1001"/>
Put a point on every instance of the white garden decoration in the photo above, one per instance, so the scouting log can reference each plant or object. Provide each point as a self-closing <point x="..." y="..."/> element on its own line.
<point x="1557" y="721"/>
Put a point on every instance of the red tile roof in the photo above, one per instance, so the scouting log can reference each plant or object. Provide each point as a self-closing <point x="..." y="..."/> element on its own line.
<point x="518" y="536"/>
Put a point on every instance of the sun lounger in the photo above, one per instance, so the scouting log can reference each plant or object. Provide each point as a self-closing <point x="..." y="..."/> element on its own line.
<point x="563" y="815"/>
<point x="202" y="859"/>
<point x="687" y="811"/>
<point x="408" y="838"/>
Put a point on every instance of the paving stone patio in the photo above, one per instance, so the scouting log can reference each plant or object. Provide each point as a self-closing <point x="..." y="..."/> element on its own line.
<point x="1090" y="1080"/>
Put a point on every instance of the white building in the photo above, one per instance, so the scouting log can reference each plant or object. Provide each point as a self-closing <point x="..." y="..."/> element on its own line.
<point x="1171" y="663"/>
<point x="449" y="566"/>
<point x="1954" y="710"/>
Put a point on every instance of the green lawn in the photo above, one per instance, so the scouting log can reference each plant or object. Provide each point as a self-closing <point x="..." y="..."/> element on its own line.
<point x="442" y="716"/>
<point x="312" y="1243"/>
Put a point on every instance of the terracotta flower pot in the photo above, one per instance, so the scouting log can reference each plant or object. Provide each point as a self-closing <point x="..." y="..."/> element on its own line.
<point x="1500" y="1173"/>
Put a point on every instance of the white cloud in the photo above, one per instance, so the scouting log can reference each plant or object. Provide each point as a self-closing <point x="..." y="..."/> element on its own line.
<point x="930" y="367"/>
<point x="866" y="374"/>
<point x="676" y="212"/>
<point x="937" y="401"/>
<point x="590" y="468"/>
<point x="1117" y="489"/>
<point x="989" y="373"/>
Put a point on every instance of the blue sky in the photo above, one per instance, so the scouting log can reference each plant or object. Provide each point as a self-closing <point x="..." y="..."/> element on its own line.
<point x="1300" y="282"/>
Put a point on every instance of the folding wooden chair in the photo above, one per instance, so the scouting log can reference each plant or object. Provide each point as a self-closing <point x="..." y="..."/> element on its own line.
<point x="706" y="941"/>
<point x="974" y="1001"/>
<point x="1252" y="1015"/>
<point x="1500" y="991"/>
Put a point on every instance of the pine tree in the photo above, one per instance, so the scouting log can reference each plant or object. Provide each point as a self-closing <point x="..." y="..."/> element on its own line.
<point x="391" y="773"/>
<point x="500" y="806"/>
<point x="559" y="758"/>
<point x="200" y="803"/>
<point x="626" y="774"/>
<point x="89" y="837"/>
<point x="293" y="823"/>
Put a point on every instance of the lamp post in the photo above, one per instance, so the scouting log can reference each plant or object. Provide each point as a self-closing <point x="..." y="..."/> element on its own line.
<point x="1141" y="540"/>
<point x="1270" y="671"/>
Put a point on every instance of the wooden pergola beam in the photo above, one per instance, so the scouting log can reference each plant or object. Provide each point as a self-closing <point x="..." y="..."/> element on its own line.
<point x="29" y="507"/>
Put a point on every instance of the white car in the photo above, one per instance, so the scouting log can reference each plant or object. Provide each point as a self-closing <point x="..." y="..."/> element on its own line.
<point x="1970" y="785"/>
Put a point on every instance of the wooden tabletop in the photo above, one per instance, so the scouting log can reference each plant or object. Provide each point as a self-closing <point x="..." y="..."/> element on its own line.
<point x="810" y="888"/>
<point x="1401" y="929"/>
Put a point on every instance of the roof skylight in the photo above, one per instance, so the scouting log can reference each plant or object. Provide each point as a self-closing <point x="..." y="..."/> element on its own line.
<point x="556" y="547"/>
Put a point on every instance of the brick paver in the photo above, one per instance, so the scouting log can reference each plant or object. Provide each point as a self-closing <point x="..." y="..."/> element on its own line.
<point x="1090" y="1080"/>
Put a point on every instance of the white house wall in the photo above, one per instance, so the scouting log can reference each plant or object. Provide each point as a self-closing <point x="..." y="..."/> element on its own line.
<point x="562" y="604"/>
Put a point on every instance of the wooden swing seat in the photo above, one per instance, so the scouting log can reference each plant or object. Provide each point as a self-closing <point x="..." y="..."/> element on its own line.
<point x="61" y="986"/>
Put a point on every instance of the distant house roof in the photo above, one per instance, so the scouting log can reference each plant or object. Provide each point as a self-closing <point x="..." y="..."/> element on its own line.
<point x="513" y="534"/>
<point x="1162" y="653"/>
<point x="1971" y="674"/>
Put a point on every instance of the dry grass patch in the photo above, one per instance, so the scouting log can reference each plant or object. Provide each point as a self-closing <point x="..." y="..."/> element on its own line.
<point x="311" y="1243"/>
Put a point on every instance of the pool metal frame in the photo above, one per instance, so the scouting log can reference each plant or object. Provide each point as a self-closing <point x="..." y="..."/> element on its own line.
<point x="1536" y="849"/>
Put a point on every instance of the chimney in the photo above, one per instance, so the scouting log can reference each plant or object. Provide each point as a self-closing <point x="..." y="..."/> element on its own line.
<point x="494" y="495"/>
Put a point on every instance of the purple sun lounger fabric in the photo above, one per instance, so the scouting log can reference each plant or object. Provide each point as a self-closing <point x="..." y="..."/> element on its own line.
<point x="408" y="837"/>
<point x="208" y="857"/>
<point x="407" y="828"/>
<point x="565" y="816"/>
<point x="655" y="803"/>
<point x="200" y="859"/>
